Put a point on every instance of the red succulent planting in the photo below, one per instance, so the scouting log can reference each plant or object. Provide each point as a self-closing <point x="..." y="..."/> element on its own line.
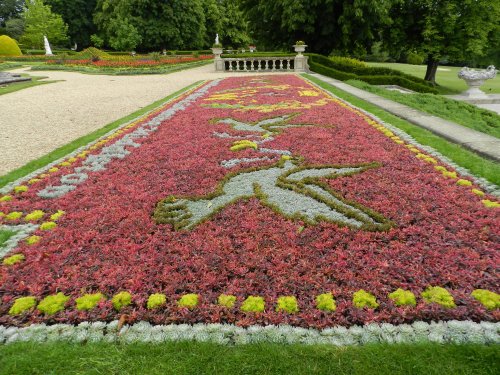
<point x="109" y="239"/>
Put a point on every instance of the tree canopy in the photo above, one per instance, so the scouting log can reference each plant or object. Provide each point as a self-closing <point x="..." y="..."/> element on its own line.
<point x="39" y="21"/>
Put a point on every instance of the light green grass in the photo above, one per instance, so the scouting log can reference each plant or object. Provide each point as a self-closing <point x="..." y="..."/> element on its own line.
<point x="446" y="77"/>
<point x="478" y="165"/>
<point x="262" y="359"/>
<point x="4" y="236"/>
<point x="66" y="149"/>
<point x="453" y="110"/>
<point x="16" y="86"/>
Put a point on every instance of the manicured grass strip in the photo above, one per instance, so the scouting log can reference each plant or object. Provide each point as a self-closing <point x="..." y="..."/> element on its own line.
<point x="12" y="87"/>
<point x="82" y="141"/>
<point x="8" y="66"/>
<point x="477" y="165"/>
<point x="4" y="236"/>
<point x="122" y="71"/>
<point x="206" y="358"/>
<point x="453" y="110"/>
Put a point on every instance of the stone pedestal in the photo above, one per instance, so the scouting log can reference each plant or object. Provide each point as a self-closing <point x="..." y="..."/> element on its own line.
<point x="474" y="91"/>
<point x="218" y="62"/>
<point x="300" y="64"/>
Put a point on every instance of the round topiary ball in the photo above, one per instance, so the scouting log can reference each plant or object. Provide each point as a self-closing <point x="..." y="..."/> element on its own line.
<point x="9" y="47"/>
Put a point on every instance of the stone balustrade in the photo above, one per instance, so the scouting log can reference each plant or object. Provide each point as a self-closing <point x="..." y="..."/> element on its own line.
<point x="260" y="64"/>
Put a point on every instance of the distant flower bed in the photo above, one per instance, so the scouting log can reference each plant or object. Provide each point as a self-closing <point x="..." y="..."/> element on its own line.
<point x="121" y="62"/>
<point x="250" y="200"/>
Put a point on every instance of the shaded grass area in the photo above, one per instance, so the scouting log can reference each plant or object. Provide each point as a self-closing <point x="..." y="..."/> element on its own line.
<point x="16" y="86"/>
<point x="66" y="149"/>
<point x="478" y="165"/>
<point x="453" y="110"/>
<point x="120" y="71"/>
<point x="446" y="77"/>
<point x="206" y="358"/>
<point x="4" y="236"/>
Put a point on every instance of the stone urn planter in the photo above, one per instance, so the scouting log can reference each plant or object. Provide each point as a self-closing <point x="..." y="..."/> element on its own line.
<point x="217" y="51"/>
<point x="251" y="48"/>
<point x="475" y="79"/>
<point x="299" y="48"/>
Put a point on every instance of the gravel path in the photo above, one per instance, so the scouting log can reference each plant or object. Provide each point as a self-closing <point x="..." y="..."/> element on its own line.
<point x="37" y="120"/>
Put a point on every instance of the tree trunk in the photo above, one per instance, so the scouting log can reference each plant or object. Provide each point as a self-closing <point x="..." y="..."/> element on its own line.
<point x="432" y="65"/>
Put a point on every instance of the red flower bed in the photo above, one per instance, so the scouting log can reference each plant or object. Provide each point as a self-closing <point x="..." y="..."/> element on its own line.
<point x="439" y="233"/>
<point x="133" y="63"/>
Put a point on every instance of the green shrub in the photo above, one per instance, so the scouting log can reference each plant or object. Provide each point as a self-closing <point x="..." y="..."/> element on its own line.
<point x="188" y="300"/>
<point x="89" y="301"/>
<point x="156" y="300"/>
<point x="490" y="300"/>
<point x="92" y="53"/>
<point x="9" y="47"/>
<point x="22" y="304"/>
<point x="53" y="304"/>
<point x="287" y="304"/>
<point x="403" y="298"/>
<point x="156" y="56"/>
<point x="253" y="304"/>
<point x="226" y="300"/>
<point x="436" y="294"/>
<point x="121" y="300"/>
<point x="415" y="59"/>
<point x="362" y="298"/>
<point x="326" y="302"/>
<point x="346" y="69"/>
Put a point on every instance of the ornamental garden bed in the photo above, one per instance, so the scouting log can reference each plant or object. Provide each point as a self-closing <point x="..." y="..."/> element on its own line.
<point x="251" y="201"/>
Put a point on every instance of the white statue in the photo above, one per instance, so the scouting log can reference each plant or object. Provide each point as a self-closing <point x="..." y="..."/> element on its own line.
<point x="217" y="39"/>
<point x="475" y="79"/>
<point x="48" y="51"/>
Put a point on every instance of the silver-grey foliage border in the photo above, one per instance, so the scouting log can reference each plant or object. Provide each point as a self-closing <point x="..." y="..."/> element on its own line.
<point x="488" y="186"/>
<point x="10" y="186"/>
<point x="451" y="332"/>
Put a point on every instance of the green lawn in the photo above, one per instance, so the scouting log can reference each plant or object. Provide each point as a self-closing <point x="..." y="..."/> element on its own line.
<point x="206" y="358"/>
<point x="4" y="236"/>
<point x="12" y="87"/>
<point x="478" y="165"/>
<point x="446" y="76"/>
<point x="453" y="110"/>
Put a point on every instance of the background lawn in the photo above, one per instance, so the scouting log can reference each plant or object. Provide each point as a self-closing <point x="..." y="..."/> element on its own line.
<point x="446" y="77"/>
<point x="206" y="358"/>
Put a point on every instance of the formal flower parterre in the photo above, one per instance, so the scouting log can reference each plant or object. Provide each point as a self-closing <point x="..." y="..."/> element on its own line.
<point x="327" y="217"/>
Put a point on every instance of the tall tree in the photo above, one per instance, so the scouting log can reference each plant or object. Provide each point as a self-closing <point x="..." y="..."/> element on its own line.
<point x="10" y="9"/>
<point x="345" y="25"/>
<point x="39" y="21"/>
<point x="457" y="29"/>
<point x="173" y="24"/>
<point x="78" y="14"/>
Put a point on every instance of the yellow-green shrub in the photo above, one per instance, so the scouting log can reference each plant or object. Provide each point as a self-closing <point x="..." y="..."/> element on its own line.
<point x="436" y="294"/>
<point x="287" y="304"/>
<point x="362" y="298"/>
<point x="326" y="302"/>
<point x="35" y="215"/>
<point x="188" y="300"/>
<point x="403" y="298"/>
<point x="22" y="304"/>
<point x="53" y="304"/>
<point x="121" y="300"/>
<point x="9" y="47"/>
<point x="156" y="300"/>
<point x="226" y="300"/>
<point x="89" y="301"/>
<point x="490" y="300"/>
<point x="253" y="304"/>
<point x="10" y="261"/>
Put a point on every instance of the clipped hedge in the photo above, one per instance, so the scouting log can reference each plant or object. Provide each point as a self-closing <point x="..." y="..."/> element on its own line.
<point x="257" y="54"/>
<point x="342" y="70"/>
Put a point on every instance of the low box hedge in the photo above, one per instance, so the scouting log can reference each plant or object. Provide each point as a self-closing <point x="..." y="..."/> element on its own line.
<point x="344" y="71"/>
